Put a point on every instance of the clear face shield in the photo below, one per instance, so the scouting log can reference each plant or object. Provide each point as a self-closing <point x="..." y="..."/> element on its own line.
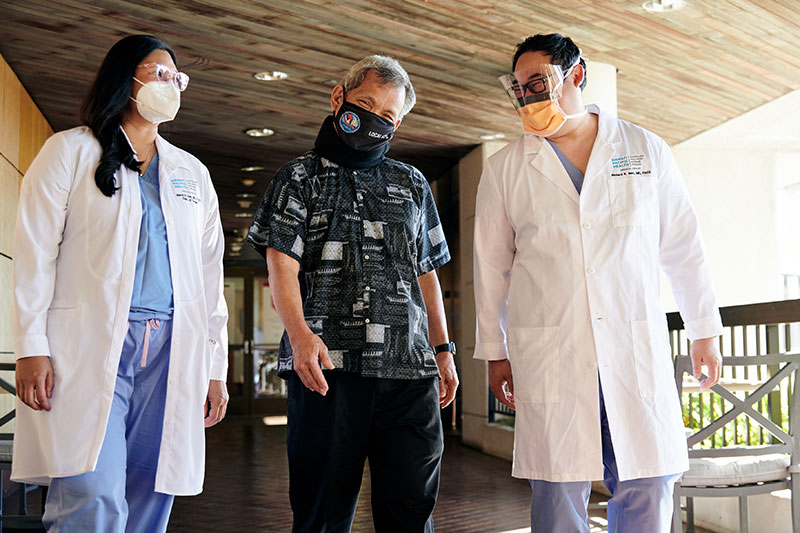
<point x="535" y="92"/>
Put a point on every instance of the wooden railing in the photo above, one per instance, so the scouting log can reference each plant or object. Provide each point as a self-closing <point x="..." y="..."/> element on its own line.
<point x="755" y="329"/>
<point x="750" y="330"/>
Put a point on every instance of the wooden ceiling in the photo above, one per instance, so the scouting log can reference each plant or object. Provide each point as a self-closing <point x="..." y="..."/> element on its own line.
<point x="679" y="73"/>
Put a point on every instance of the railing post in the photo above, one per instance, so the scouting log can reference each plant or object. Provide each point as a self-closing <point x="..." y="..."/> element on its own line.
<point x="774" y="399"/>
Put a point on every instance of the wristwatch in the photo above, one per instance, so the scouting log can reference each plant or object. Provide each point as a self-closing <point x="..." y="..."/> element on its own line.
<point x="449" y="347"/>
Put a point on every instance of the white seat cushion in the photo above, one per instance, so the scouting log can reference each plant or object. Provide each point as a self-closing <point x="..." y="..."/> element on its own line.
<point x="721" y="471"/>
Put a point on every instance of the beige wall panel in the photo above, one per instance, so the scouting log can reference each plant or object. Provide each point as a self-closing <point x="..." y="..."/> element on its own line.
<point x="9" y="192"/>
<point x="25" y="128"/>
<point x="6" y="340"/>
<point x="33" y="131"/>
<point x="9" y="118"/>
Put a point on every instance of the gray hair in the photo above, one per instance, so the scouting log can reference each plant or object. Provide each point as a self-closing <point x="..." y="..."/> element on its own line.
<point x="388" y="70"/>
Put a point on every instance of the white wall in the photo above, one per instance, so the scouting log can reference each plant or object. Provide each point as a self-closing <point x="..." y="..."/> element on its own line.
<point x="736" y="174"/>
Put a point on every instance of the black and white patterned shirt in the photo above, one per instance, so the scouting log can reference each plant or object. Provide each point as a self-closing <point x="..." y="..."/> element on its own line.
<point x="362" y="237"/>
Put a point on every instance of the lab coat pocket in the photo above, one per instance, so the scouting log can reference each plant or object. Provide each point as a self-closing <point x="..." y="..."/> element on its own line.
<point x="653" y="359"/>
<point x="534" y="364"/>
<point x="634" y="201"/>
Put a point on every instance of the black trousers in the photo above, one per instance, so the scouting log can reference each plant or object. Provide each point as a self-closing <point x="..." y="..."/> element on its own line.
<point x="394" y="423"/>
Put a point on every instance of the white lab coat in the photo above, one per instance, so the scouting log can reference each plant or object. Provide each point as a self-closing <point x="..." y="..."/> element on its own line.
<point x="74" y="262"/>
<point x="567" y="286"/>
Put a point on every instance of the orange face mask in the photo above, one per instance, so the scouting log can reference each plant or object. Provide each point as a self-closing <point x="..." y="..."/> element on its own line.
<point x="542" y="118"/>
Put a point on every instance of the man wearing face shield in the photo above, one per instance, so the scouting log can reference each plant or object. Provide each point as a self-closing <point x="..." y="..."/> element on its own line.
<point x="352" y="240"/>
<point x="573" y="221"/>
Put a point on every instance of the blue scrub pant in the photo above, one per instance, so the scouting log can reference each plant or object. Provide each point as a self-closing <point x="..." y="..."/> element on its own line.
<point x="636" y="505"/>
<point x="119" y="495"/>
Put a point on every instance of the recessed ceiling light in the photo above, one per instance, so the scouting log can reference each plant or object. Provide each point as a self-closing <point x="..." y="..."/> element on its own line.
<point x="492" y="136"/>
<point x="248" y="182"/>
<point x="661" y="6"/>
<point x="251" y="169"/>
<point x="245" y="195"/>
<point x="236" y="247"/>
<point x="243" y="215"/>
<point x="259" y="132"/>
<point x="235" y="254"/>
<point x="244" y="204"/>
<point x="273" y="75"/>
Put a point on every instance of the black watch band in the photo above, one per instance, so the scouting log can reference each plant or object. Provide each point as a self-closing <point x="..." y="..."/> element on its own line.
<point x="449" y="347"/>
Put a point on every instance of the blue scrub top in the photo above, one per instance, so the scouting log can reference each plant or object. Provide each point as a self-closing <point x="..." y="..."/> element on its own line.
<point x="152" y="282"/>
<point x="574" y="172"/>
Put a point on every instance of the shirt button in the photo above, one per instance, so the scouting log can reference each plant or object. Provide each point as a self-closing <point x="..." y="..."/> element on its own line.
<point x="366" y="256"/>
<point x="360" y="196"/>
<point x="366" y="288"/>
<point x="172" y="382"/>
<point x="591" y="270"/>
<point x="586" y="225"/>
<point x="366" y="321"/>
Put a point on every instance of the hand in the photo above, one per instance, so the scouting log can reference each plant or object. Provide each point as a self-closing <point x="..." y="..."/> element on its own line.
<point x="448" y="383"/>
<point x="307" y="352"/>
<point x="34" y="377"/>
<point x="216" y="402"/>
<point x="706" y="352"/>
<point x="500" y="375"/>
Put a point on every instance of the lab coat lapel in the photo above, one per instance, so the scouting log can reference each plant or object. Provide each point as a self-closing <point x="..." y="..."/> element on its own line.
<point x="605" y="145"/>
<point x="546" y="162"/>
<point x="166" y="160"/>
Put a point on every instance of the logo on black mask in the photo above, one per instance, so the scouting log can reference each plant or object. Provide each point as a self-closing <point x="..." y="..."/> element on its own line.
<point x="362" y="130"/>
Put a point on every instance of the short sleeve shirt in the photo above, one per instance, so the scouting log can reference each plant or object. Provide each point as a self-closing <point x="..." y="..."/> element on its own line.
<point x="362" y="237"/>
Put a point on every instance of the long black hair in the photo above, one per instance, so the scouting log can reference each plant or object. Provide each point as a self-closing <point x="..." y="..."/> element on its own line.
<point x="106" y="101"/>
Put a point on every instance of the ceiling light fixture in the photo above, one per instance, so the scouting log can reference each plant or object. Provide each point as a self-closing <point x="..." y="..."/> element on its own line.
<point x="245" y="195"/>
<point x="248" y="182"/>
<point x="662" y="6"/>
<point x="251" y="169"/>
<point x="259" y="132"/>
<point x="273" y="75"/>
<point x="243" y="215"/>
<point x="492" y="136"/>
<point x="244" y="204"/>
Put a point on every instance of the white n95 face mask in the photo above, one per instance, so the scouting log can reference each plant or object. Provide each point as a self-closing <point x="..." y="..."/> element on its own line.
<point x="158" y="101"/>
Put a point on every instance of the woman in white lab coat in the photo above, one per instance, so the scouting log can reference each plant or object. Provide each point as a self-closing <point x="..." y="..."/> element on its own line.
<point x="119" y="318"/>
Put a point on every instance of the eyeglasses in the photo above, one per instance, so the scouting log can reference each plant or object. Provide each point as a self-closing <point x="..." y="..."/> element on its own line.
<point x="535" y="86"/>
<point x="164" y="73"/>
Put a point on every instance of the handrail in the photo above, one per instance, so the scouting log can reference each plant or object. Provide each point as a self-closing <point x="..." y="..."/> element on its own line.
<point x="779" y="312"/>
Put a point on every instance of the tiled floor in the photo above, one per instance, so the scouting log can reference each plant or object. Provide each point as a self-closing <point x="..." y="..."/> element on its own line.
<point x="246" y="488"/>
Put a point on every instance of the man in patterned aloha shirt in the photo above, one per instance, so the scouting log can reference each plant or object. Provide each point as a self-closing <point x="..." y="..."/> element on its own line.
<point x="352" y="240"/>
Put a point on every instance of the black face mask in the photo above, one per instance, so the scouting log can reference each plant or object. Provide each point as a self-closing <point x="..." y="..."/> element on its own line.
<point x="362" y="130"/>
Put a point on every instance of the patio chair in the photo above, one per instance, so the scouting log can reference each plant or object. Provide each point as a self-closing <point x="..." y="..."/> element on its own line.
<point x="741" y="471"/>
<point x="22" y="520"/>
